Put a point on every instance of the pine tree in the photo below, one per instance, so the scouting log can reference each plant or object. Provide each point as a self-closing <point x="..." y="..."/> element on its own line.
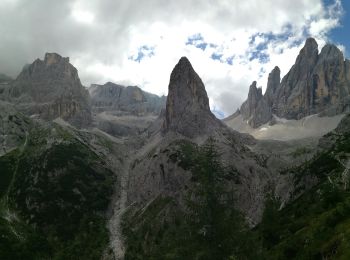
<point x="217" y="229"/>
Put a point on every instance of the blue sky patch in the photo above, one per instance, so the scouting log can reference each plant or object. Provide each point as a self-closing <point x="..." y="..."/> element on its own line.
<point x="229" y="60"/>
<point x="197" y="41"/>
<point x="340" y="35"/>
<point x="216" y="56"/>
<point x="202" y="45"/>
<point x="143" y="51"/>
<point x="218" y="113"/>
<point x="259" y="55"/>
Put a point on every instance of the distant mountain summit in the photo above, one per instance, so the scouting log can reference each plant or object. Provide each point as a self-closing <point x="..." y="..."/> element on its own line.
<point x="131" y="99"/>
<point x="316" y="83"/>
<point x="187" y="107"/>
<point x="51" y="88"/>
<point x="4" y="79"/>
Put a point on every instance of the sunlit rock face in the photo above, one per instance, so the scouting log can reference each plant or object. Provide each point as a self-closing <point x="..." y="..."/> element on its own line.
<point x="51" y="88"/>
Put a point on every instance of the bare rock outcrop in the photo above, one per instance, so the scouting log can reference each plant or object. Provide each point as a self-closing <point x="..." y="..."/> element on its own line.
<point x="273" y="83"/>
<point x="131" y="99"/>
<point x="51" y="88"/>
<point x="187" y="107"/>
<point x="255" y="109"/>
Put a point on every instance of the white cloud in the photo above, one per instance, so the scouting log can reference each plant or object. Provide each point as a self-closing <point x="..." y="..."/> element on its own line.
<point x="104" y="39"/>
<point x="83" y="16"/>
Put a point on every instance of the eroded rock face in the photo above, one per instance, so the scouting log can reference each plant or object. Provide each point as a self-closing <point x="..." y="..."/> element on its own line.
<point x="255" y="109"/>
<point x="273" y="83"/>
<point x="187" y="106"/>
<point x="51" y="88"/>
<point x="254" y="96"/>
<point x="131" y="99"/>
<point x="347" y="70"/>
<point x="316" y="83"/>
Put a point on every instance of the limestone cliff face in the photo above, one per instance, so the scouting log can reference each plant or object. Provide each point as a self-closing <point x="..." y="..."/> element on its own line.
<point x="51" y="88"/>
<point x="254" y="96"/>
<point x="131" y="99"/>
<point x="187" y="106"/>
<point x="329" y="82"/>
<point x="347" y="70"/>
<point x="316" y="83"/>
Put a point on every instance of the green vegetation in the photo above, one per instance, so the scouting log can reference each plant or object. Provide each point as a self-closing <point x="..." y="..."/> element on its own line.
<point x="58" y="190"/>
<point x="7" y="165"/>
<point x="208" y="227"/>
<point x="301" y="151"/>
<point x="20" y="241"/>
<point x="317" y="224"/>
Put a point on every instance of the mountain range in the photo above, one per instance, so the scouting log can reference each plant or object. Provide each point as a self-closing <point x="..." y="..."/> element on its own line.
<point x="316" y="83"/>
<point x="114" y="172"/>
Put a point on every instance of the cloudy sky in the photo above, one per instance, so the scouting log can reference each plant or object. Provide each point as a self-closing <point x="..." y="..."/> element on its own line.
<point x="230" y="43"/>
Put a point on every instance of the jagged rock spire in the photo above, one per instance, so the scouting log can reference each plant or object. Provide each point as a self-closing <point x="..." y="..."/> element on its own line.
<point x="273" y="83"/>
<point x="254" y="96"/>
<point x="187" y="106"/>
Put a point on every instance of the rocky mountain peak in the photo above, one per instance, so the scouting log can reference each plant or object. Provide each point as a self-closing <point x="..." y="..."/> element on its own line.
<point x="309" y="52"/>
<point x="306" y="59"/>
<point x="183" y="66"/>
<point x="53" y="67"/>
<point x="185" y="83"/>
<point x="187" y="107"/>
<point x="310" y="47"/>
<point x="331" y="52"/>
<point x="52" y="58"/>
<point x="255" y="93"/>
<point x="51" y="88"/>
<point x="254" y="96"/>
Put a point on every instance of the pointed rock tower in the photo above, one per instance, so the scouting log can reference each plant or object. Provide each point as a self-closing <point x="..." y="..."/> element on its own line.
<point x="187" y="106"/>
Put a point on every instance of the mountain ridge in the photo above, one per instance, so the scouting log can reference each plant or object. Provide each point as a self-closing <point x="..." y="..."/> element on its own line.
<point x="132" y="99"/>
<point x="318" y="82"/>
